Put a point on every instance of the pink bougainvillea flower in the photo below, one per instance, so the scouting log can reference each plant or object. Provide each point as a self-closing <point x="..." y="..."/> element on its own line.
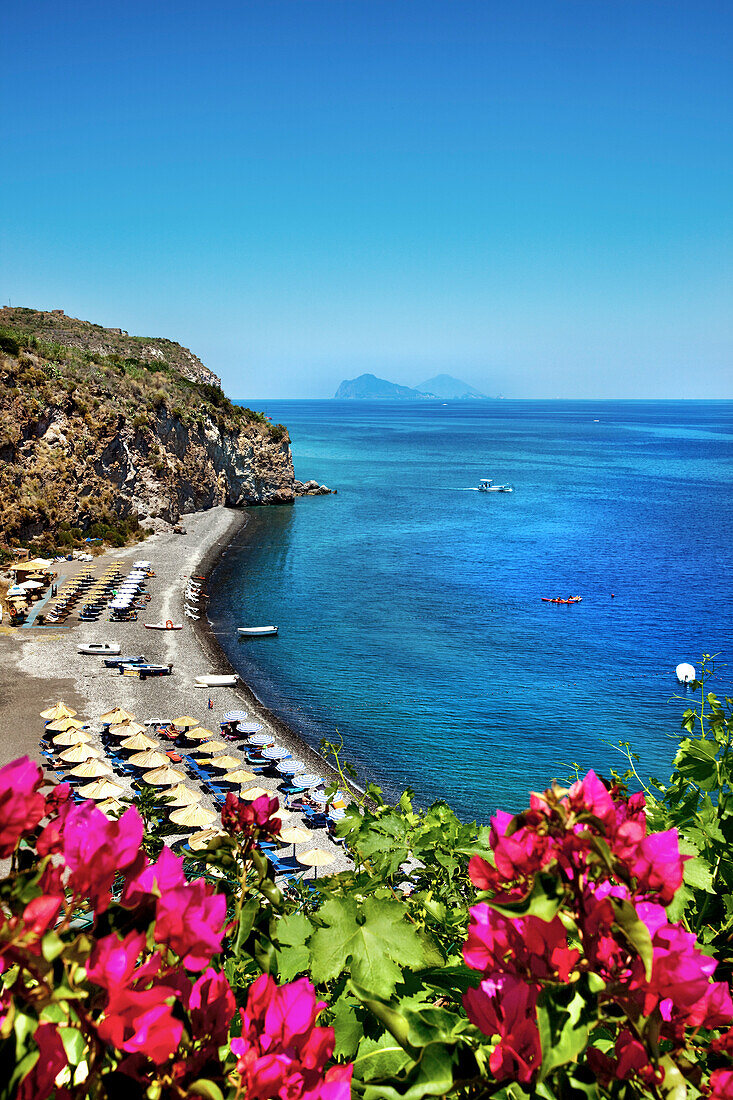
<point x="211" y="1006"/>
<point x="657" y="865"/>
<point x="21" y="804"/>
<point x="154" y="879"/>
<point x="142" y="1021"/>
<point x="721" y="1084"/>
<point x="281" y="1052"/>
<point x="39" y="1083"/>
<point x="534" y="948"/>
<point x="190" y="920"/>
<point x="95" y="849"/>
<point x="251" y="820"/>
<point x="113" y="962"/>
<point x="507" y="1008"/>
<point x="591" y="796"/>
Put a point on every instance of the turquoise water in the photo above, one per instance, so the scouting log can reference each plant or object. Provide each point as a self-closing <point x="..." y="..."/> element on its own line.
<point x="409" y="605"/>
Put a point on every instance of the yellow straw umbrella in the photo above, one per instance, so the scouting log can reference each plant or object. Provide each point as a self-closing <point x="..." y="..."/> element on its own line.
<point x="138" y="742"/>
<point x="149" y="759"/>
<point x="111" y="806"/>
<point x="181" y="795"/>
<point x="193" y="817"/>
<point x="125" y="729"/>
<point x="118" y="715"/>
<point x="78" y="753"/>
<point x="58" y="710"/>
<point x="255" y="792"/>
<point x="101" y="789"/>
<point x="61" y="725"/>
<point x="91" y="769"/>
<point x="201" y="840"/>
<point x="165" y="776"/>
<point x="199" y="734"/>
<point x="72" y="737"/>
<point x="209" y="746"/>
<point x="185" y="722"/>
<point x="224" y="763"/>
<point x="239" y="776"/>
<point x="315" y="858"/>
<point x="295" y="835"/>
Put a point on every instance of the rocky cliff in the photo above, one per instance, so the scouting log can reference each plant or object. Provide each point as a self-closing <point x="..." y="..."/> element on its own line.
<point x="95" y="440"/>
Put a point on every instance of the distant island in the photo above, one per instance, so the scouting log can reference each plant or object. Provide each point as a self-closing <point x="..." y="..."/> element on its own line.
<point x="367" y="387"/>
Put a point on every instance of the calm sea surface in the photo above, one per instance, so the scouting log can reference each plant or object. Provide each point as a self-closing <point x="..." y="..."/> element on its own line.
<point x="410" y="608"/>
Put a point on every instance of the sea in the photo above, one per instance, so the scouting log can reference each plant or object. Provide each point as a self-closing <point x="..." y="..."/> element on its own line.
<point x="409" y="605"/>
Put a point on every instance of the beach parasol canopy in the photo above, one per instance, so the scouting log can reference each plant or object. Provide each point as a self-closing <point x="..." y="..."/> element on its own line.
<point x="125" y="729"/>
<point x="111" y="806"/>
<point x="78" y="752"/>
<point x="61" y="725"/>
<point x="138" y="743"/>
<point x="58" y="710"/>
<point x="149" y="759"/>
<point x="239" y="776"/>
<point x="91" y="769"/>
<point x="295" y="835"/>
<point x="255" y="792"/>
<point x="209" y="747"/>
<point x="181" y="795"/>
<point x="193" y="817"/>
<point x="198" y="733"/>
<point x="234" y="716"/>
<point x="224" y="763"/>
<point x="260" y="739"/>
<point x="164" y="776"/>
<point x="201" y="840"/>
<point x="72" y="737"/>
<point x="290" y="766"/>
<point x="307" y="780"/>
<point x="185" y="722"/>
<point x="101" y="789"/>
<point x="249" y="727"/>
<point x="31" y="586"/>
<point x="276" y="752"/>
<point x="315" y="858"/>
<point x="117" y="716"/>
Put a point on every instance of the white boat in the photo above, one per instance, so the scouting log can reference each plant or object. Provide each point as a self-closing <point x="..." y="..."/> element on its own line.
<point x="256" y="631"/>
<point x="486" y="485"/>
<point x="168" y="625"/>
<point x="100" y="649"/>
<point x="217" y="681"/>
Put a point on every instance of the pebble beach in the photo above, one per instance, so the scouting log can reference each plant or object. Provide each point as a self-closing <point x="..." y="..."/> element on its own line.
<point x="41" y="664"/>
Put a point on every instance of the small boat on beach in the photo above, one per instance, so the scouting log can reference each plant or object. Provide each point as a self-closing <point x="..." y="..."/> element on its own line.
<point x="143" y="671"/>
<point x="168" y="625"/>
<point x="113" y="662"/>
<point x="99" y="649"/>
<point x="256" y="631"/>
<point x="217" y="681"/>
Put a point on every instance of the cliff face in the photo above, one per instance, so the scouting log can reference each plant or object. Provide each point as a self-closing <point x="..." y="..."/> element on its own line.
<point x="93" y="442"/>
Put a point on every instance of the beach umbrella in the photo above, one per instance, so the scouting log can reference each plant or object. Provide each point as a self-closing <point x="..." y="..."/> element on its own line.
<point x="125" y="729"/>
<point x="239" y="776"/>
<point x="117" y="716"/>
<point x="31" y="585"/>
<point x="193" y="817"/>
<point x="337" y="813"/>
<point x="101" y="789"/>
<point x="296" y="834"/>
<point x="181" y="795"/>
<point x="260" y="739"/>
<point x="91" y="769"/>
<point x="282" y="813"/>
<point x="72" y="737"/>
<point x="290" y="767"/>
<point x="149" y="759"/>
<point x="78" y="752"/>
<point x="209" y="747"/>
<point x="234" y="716"/>
<point x="61" y="725"/>
<point x="255" y="792"/>
<point x="185" y="722"/>
<point x="275" y="752"/>
<point x="249" y="727"/>
<point x="315" y="858"/>
<point x="138" y="742"/>
<point x="199" y="734"/>
<point x="224" y="763"/>
<point x="58" y="710"/>
<point x="307" y="781"/>
<point x="164" y="776"/>
<point x="201" y="840"/>
<point x="111" y="806"/>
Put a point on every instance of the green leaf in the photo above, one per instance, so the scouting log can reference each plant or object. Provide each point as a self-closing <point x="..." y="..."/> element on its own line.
<point x="695" y="761"/>
<point x="563" y="1030"/>
<point x="75" y="1045"/>
<point x="207" y="1089"/>
<point x="292" y="954"/>
<point x="635" y="930"/>
<point x="367" y="941"/>
<point x="379" y="1058"/>
<point x="696" y="872"/>
<point x="51" y="946"/>
<point x="543" y="901"/>
<point x="347" y="1028"/>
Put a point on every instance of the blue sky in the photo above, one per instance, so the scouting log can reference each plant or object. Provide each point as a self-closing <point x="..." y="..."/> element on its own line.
<point x="535" y="197"/>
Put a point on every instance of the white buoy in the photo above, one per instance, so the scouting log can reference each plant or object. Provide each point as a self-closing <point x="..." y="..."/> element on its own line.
<point x="685" y="673"/>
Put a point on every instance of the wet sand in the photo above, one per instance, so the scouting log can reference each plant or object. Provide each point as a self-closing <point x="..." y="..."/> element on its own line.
<point x="41" y="665"/>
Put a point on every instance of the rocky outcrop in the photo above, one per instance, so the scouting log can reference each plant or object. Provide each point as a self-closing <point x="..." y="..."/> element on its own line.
<point x="311" y="489"/>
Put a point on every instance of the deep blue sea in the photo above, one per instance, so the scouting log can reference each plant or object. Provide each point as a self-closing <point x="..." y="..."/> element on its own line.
<point x="409" y="606"/>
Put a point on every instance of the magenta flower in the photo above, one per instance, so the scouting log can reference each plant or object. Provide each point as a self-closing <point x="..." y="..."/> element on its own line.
<point x="534" y="948"/>
<point x="96" y="849"/>
<point x="211" y="1006"/>
<point x="721" y="1084"/>
<point x="506" y="1007"/>
<point x="113" y="962"/>
<point x="190" y="920"/>
<point x="153" y="880"/>
<point x="251" y="820"/>
<point x="21" y="805"/>
<point x="142" y="1021"/>
<point x="657" y="865"/>
<point x="40" y="1082"/>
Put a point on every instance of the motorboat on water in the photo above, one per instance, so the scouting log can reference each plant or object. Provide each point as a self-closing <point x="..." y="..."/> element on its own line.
<point x="99" y="649"/>
<point x="256" y="631"/>
<point x="486" y="485"/>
